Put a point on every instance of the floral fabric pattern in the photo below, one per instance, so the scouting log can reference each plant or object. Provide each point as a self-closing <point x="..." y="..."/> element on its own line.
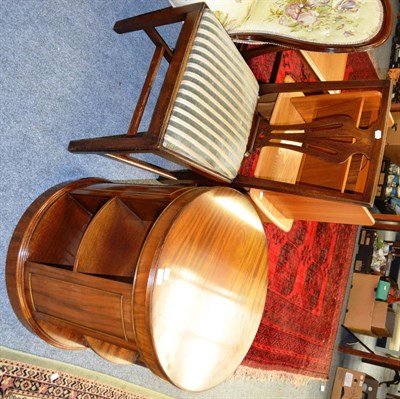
<point x="325" y="15"/>
<point x="332" y="22"/>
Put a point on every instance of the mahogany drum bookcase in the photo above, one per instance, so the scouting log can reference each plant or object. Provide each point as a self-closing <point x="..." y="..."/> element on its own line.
<point x="170" y="277"/>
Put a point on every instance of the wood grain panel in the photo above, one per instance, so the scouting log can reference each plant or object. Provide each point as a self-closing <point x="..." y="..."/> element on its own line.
<point x="57" y="243"/>
<point x="305" y="208"/>
<point x="112" y="241"/>
<point x="201" y="287"/>
<point x="112" y="353"/>
<point x="67" y="296"/>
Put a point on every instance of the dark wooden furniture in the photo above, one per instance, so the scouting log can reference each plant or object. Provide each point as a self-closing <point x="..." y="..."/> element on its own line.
<point x="387" y="222"/>
<point x="255" y="24"/>
<point x="376" y="360"/>
<point x="271" y="40"/>
<point x="276" y="42"/>
<point x="210" y="156"/>
<point x="173" y="278"/>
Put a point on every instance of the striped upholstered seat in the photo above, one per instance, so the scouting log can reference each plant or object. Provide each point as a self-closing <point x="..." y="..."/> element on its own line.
<point x="213" y="111"/>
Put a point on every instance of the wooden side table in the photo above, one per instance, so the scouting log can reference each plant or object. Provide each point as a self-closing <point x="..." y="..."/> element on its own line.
<point x="171" y="277"/>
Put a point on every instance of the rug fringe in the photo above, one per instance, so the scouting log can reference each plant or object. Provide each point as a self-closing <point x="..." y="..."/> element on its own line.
<point x="250" y="373"/>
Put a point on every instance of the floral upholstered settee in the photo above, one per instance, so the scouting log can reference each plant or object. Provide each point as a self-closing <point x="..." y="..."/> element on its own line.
<point x="333" y="22"/>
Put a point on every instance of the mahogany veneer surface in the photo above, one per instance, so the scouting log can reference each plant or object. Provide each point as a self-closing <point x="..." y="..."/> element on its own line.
<point x="171" y="277"/>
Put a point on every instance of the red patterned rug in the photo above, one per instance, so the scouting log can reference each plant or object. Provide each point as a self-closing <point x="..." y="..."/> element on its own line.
<point x="359" y="66"/>
<point x="308" y="273"/>
<point x="309" y="268"/>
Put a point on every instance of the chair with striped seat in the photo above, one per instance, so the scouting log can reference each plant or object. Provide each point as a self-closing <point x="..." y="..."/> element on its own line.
<point x="206" y="104"/>
<point x="207" y="113"/>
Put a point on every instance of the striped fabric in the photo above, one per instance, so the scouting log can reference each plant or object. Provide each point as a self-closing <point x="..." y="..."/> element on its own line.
<point x="214" y="108"/>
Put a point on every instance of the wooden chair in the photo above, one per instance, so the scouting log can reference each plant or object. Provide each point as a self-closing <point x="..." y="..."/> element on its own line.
<point x="206" y="119"/>
<point x="268" y="26"/>
<point x="334" y="27"/>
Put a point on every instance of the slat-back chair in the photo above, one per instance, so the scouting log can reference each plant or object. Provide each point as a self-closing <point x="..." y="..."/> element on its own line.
<point x="206" y="114"/>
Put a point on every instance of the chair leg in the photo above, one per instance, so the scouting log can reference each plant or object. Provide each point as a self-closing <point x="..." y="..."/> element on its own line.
<point x="275" y="67"/>
<point x="109" y="147"/>
<point x="113" y="144"/>
<point x="142" y="165"/>
<point x="146" y="90"/>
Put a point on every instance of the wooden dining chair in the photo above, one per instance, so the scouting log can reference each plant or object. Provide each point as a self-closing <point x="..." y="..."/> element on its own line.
<point x="309" y="28"/>
<point x="324" y="26"/>
<point x="206" y="115"/>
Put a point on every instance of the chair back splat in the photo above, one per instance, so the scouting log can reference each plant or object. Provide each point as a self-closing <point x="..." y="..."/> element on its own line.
<point x="342" y="134"/>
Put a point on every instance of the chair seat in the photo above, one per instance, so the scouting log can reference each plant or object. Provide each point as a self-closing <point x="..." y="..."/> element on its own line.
<point x="213" y="112"/>
<point x="333" y="22"/>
